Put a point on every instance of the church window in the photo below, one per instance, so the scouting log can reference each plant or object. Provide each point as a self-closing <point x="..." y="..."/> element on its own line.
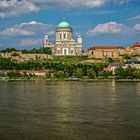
<point x="72" y="51"/>
<point x="60" y="36"/>
<point x="64" y="35"/>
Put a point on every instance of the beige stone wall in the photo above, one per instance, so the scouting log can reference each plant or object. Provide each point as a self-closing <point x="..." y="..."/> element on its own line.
<point x="24" y="57"/>
<point x="115" y="53"/>
<point x="5" y="55"/>
<point x="104" y="54"/>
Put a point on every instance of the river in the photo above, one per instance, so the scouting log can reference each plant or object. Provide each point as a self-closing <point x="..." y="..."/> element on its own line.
<point x="69" y="110"/>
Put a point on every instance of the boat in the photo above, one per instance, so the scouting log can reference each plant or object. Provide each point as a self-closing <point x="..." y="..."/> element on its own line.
<point x="72" y="79"/>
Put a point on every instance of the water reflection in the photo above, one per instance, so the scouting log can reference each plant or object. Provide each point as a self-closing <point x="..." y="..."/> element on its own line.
<point x="39" y="110"/>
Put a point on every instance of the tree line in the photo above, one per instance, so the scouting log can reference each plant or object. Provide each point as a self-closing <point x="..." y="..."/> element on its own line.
<point x="127" y="73"/>
<point x="59" y="69"/>
<point x="33" y="51"/>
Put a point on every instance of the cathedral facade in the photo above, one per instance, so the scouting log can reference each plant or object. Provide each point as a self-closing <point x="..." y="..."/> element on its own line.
<point x="64" y="43"/>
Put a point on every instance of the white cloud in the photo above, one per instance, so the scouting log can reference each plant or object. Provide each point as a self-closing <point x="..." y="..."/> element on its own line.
<point x="135" y="18"/>
<point x="15" y="32"/>
<point x="28" y="29"/>
<point x="108" y="28"/>
<point x="76" y="3"/>
<point x="30" y="42"/>
<point x="14" y="7"/>
<point x="137" y="27"/>
<point x="17" y="7"/>
<point x="71" y="3"/>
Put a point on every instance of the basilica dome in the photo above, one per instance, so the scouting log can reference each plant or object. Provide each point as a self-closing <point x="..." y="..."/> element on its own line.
<point x="63" y="24"/>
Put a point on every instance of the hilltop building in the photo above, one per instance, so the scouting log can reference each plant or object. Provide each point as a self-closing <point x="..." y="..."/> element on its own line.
<point x="64" y="43"/>
<point x="105" y="51"/>
<point x="113" y="51"/>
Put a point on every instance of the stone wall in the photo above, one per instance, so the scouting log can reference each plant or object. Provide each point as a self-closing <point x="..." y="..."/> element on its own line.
<point x="26" y="57"/>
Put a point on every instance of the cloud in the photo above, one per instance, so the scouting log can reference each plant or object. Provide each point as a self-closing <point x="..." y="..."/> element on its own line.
<point x="136" y="27"/>
<point x="135" y="18"/>
<point x="30" y="42"/>
<point x="70" y="3"/>
<point x="108" y="28"/>
<point x="13" y="31"/>
<point x="76" y="3"/>
<point x="28" y="29"/>
<point x="26" y="35"/>
<point x="16" y="7"/>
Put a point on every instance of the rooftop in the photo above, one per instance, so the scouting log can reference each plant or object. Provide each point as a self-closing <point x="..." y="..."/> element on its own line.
<point x="105" y="47"/>
<point x="63" y="24"/>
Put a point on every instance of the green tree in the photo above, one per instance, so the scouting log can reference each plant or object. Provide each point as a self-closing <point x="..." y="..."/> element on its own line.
<point x="105" y="74"/>
<point x="125" y="56"/>
<point x="120" y="73"/>
<point x="110" y="60"/>
<point x="136" y="73"/>
<point x="13" y="74"/>
<point x="66" y="74"/>
<point x="78" y="73"/>
<point x="91" y="73"/>
<point x="59" y="74"/>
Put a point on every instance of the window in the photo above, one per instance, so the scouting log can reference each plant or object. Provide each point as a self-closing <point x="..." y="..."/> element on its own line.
<point x="60" y="36"/>
<point x="64" y="35"/>
<point x="72" y="51"/>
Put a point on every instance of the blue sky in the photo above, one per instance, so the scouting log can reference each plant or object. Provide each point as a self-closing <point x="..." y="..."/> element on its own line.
<point x="23" y="23"/>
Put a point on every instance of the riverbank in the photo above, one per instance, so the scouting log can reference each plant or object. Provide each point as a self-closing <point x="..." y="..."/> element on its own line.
<point x="80" y="80"/>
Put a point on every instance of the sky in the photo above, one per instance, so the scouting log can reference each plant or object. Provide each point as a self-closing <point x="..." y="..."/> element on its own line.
<point x="24" y="23"/>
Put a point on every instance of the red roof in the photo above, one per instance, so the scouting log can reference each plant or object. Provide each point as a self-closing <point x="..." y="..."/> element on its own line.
<point x="106" y="69"/>
<point x="105" y="47"/>
<point x="135" y="45"/>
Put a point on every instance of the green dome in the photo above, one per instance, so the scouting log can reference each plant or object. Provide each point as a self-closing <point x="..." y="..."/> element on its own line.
<point x="63" y="24"/>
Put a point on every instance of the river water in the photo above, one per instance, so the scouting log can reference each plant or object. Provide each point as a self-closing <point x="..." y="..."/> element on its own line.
<point x="42" y="110"/>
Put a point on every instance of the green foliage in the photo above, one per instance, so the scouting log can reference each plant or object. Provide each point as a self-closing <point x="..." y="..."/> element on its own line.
<point x="105" y="74"/>
<point x="110" y="60"/>
<point x="68" y="69"/>
<point x="13" y="74"/>
<point x="34" y="50"/>
<point x="78" y="73"/>
<point x="70" y="59"/>
<point x="127" y="73"/>
<point x="91" y="73"/>
<point x="120" y="73"/>
<point x="136" y="73"/>
<point x="125" y="56"/>
<point x="2" y="74"/>
<point x="8" y="50"/>
<point x="66" y="74"/>
<point x="59" y="74"/>
<point x="40" y="50"/>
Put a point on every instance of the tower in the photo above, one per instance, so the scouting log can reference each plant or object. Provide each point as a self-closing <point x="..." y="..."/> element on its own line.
<point x="63" y="31"/>
<point x="46" y="41"/>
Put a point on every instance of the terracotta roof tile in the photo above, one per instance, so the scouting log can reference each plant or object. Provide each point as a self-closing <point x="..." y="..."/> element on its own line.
<point x="134" y="45"/>
<point x="105" y="47"/>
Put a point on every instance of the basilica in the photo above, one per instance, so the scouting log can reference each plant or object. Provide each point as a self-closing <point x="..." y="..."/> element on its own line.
<point x="64" y="43"/>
